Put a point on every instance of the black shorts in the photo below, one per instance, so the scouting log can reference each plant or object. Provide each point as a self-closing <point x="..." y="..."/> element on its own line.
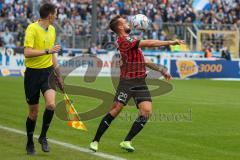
<point x="36" y="80"/>
<point x="132" y="88"/>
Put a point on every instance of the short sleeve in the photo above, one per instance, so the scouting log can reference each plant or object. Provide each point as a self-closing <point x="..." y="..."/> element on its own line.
<point x="129" y="43"/>
<point x="29" y="37"/>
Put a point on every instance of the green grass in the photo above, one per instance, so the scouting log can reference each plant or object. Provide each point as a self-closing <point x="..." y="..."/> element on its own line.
<point x="212" y="134"/>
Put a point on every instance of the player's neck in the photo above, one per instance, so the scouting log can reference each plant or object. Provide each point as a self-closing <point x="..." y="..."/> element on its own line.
<point x="123" y="34"/>
<point x="44" y="23"/>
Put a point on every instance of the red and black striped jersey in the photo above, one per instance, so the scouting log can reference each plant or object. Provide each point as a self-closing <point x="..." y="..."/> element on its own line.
<point x="133" y="63"/>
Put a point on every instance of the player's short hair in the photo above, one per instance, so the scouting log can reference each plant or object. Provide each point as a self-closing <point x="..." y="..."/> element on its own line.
<point x="113" y="25"/>
<point x="46" y="9"/>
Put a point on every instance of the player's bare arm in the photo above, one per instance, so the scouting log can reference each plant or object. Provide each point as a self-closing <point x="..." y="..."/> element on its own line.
<point x="158" y="43"/>
<point x="30" y="52"/>
<point x="159" y="68"/>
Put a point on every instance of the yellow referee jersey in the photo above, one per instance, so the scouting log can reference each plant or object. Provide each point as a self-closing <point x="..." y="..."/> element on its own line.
<point x="39" y="38"/>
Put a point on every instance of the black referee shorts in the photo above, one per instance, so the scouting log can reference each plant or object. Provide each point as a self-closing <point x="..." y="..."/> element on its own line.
<point x="36" y="80"/>
<point x="132" y="88"/>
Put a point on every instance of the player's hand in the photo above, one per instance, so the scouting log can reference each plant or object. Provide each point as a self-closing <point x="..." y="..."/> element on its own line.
<point x="55" y="49"/>
<point x="167" y="76"/>
<point x="179" y="42"/>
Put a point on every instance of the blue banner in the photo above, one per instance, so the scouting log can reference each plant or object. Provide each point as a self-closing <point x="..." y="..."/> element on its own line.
<point x="205" y="69"/>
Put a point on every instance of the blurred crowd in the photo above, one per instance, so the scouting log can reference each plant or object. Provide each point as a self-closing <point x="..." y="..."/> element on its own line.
<point x="15" y="15"/>
<point x="74" y="16"/>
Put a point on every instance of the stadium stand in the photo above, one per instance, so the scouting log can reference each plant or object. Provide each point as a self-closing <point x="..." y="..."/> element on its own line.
<point x="167" y="16"/>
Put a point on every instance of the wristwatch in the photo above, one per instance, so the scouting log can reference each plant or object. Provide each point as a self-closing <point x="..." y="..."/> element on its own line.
<point x="47" y="51"/>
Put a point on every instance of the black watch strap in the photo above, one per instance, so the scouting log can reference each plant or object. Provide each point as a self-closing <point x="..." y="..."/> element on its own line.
<point x="47" y="51"/>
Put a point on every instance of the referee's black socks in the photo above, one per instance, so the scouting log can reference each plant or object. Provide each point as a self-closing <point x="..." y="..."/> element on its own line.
<point x="47" y="118"/>
<point x="105" y="123"/>
<point x="136" y="127"/>
<point x="30" y="127"/>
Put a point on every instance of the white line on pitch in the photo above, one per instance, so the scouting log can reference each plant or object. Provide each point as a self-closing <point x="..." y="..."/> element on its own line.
<point x="67" y="145"/>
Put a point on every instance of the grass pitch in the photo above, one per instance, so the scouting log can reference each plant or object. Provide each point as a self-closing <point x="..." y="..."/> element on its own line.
<point x="198" y="120"/>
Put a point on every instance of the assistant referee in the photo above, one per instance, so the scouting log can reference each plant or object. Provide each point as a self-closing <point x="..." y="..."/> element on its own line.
<point x="40" y="63"/>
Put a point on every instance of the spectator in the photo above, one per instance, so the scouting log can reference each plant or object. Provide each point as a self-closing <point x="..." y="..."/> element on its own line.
<point x="61" y="15"/>
<point x="7" y="37"/>
<point x="208" y="53"/>
<point x="68" y="29"/>
<point x="226" y="54"/>
<point x="159" y="12"/>
<point x="11" y="44"/>
<point x="93" y="49"/>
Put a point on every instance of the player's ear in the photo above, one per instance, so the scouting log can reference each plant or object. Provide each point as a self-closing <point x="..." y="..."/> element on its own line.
<point x="120" y="27"/>
<point x="49" y="17"/>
